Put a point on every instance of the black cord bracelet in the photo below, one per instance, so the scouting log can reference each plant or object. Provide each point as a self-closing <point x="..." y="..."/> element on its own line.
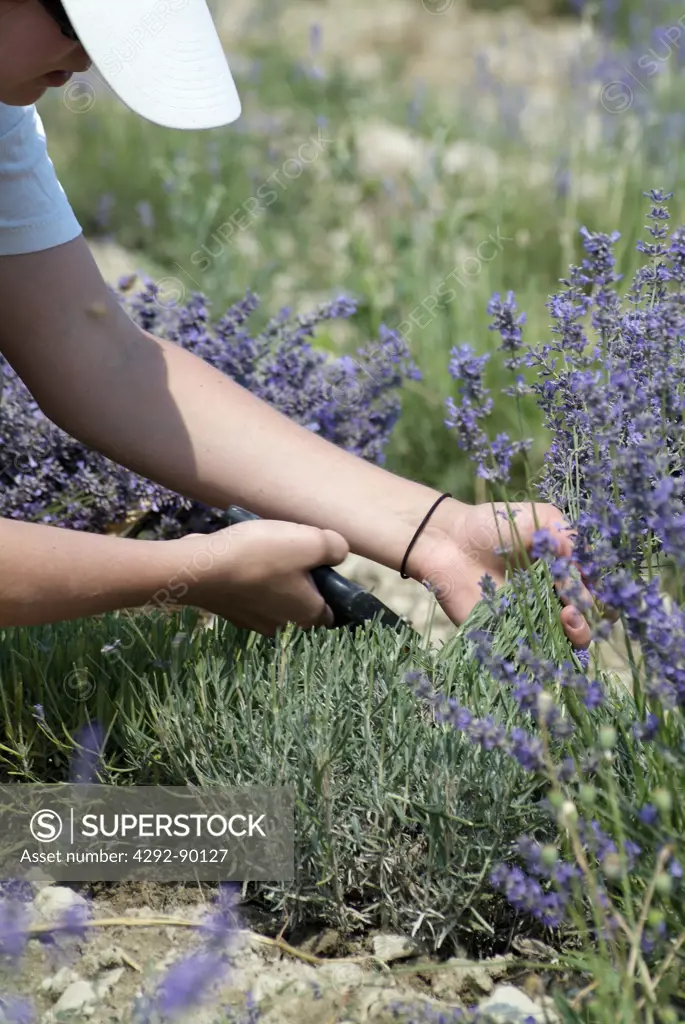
<point x="416" y="535"/>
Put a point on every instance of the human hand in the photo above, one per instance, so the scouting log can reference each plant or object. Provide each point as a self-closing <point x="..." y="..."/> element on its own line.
<point x="256" y="574"/>
<point x="460" y="549"/>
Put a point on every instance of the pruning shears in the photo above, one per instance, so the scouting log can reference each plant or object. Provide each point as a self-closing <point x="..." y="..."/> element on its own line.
<point x="350" y="603"/>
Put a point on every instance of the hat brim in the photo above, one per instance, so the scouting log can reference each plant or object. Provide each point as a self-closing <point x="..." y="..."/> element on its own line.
<point x="163" y="59"/>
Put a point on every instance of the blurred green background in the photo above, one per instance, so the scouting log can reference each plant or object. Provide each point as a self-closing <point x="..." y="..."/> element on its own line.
<point x="446" y="152"/>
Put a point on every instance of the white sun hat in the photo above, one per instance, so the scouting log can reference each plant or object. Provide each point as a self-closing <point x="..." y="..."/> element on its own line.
<point x="163" y="59"/>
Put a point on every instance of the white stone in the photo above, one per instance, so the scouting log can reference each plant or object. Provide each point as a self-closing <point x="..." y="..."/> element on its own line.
<point x="76" y="997"/>
<point x="341" y="975"/>
<point x="509" y="1005"/>
<point x="59" y="982"/>
<point x="461" y="975"/>
<point x="293" y="978"/>
<point x="51" y="902"/>
<point x="389" y="947"/>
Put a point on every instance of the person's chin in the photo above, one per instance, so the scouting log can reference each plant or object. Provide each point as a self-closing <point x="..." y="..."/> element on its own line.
<point x="25" y="95"/>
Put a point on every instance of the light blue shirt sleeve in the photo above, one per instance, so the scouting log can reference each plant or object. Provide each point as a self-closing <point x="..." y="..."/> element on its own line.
<point x="35" y="213"/>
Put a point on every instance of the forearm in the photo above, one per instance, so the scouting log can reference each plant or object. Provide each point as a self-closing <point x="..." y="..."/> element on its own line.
<point x="171" y="417"/>
<point x="48" y="574"/>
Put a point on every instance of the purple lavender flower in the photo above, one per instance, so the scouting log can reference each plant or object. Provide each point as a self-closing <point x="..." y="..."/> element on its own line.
<point x="16" y="1010"/>
<point x="508" y="325"/>
<point x="14" y="923"/>
<point x="189" y="981"/>
<point x="185" y="985"/>
<point x="146" y="214"/>
<point x="527" y="895"/>
<point x="493" y="458"/>
<point x="648" y="814"/>
<point x="86" y="763"/>
<point x="486" y="732"/>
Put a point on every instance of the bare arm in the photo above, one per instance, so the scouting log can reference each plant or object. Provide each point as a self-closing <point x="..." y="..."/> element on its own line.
<point x="49" y="574"/>
<point x="166" y="414"/>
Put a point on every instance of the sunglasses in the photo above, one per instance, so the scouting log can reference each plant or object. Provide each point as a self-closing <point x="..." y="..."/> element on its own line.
<point x="58" y="14"/>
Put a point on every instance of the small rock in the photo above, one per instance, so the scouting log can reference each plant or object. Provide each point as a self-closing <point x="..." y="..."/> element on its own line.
<point x="534" y="987"/>
<point x="59" y="982"/>
<point x="52" y="901"/>
<point x="295" y="979"/>
<point x="509" y="1005"/>
<point x="389" y="947"/>
<point x="461" y="976"/>
<point x="341" y="975"/>
<point x="38" y="879"/>
<point x="77" y="997"/>
<point x="95" y="960"/>
<point x="107" y="981"/>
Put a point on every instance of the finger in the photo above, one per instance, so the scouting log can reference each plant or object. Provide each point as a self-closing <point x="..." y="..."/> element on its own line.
<point x="576" y="627"/>
<point x="314" y="611"/>
<point x="325" y="619"/>
<point x="328" y="618"/>
<point x="321" y="547"/>
<point x="324" y="547"/>
<point x="549" y="517"/>
<point x="573" y="592"/>
<point x="303" y="547"/>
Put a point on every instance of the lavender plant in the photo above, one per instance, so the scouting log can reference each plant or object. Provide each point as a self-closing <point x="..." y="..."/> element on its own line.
<point x="49" y="477"/>
<point x="610" y="385"/>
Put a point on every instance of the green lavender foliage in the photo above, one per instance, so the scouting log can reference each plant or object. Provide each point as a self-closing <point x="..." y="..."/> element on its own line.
<point x="397" y="816"/>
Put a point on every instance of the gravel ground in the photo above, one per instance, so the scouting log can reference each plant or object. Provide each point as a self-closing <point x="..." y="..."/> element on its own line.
<point x="145" y="929"/>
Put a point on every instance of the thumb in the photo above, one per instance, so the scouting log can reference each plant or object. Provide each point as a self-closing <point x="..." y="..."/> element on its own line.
<point x="312" y="547"/>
